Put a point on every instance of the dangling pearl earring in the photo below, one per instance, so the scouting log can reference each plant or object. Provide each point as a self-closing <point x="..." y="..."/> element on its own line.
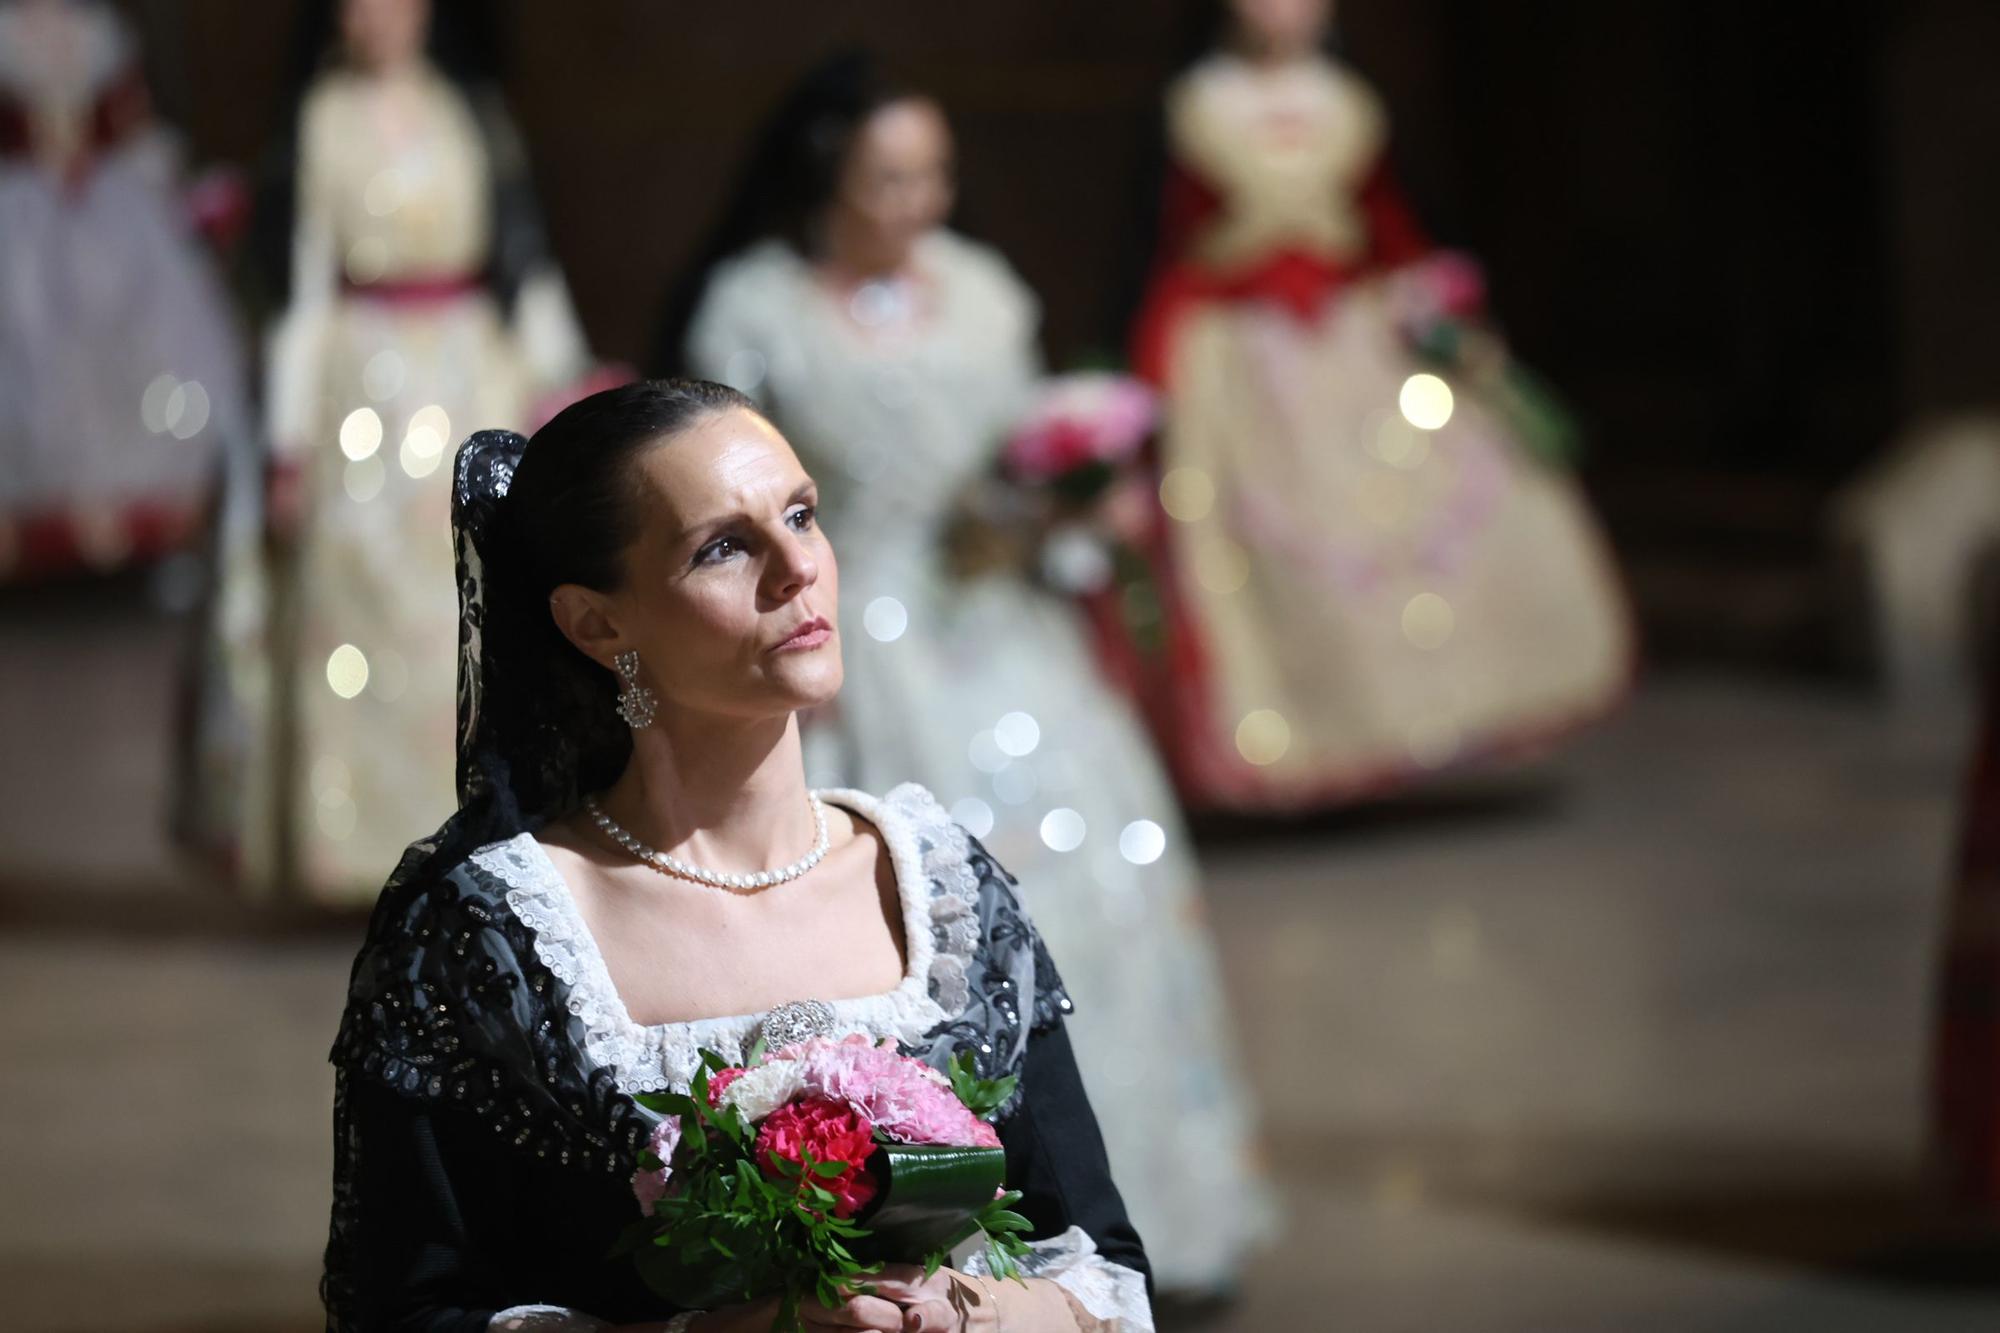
<point x="636" y="703"/>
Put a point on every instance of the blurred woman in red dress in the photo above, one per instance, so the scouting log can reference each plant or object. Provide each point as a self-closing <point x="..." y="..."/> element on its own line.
<point x="1373" y="574"/>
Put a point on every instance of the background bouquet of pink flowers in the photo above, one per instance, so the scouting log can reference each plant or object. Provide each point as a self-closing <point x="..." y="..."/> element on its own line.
<point x="1083" y="431"/>
<point x="802" y="1171"/>
<point x="1439" y="304"/>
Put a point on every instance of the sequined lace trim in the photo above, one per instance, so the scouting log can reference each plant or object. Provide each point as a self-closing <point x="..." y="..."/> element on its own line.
<point x="940" y="898"/>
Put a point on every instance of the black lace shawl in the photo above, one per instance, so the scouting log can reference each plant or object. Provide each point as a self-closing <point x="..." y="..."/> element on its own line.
<point x="450" y="1009"/>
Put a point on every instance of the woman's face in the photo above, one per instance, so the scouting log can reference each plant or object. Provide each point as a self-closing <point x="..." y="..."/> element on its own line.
<point x="897" y="182"/>
<point x="1282" y="28"/>
<point x="730" y="594"/>
<point x="384" y="34"/>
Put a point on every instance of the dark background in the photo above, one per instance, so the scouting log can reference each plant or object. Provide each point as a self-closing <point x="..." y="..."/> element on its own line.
<point x="1750" y="241"/>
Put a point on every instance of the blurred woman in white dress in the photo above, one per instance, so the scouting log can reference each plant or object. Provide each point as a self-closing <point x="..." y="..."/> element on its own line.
<point x="896" y="354"/>
<point x="121" y="373"/>
<point x="421" y="305"/>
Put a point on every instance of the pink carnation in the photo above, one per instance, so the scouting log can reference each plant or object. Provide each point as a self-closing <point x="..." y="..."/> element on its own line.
<point x="832" y="1132"/>
<point x="1444" y="285"/>
<point x="649" y="1187"/>
<point x="905" y="1099"/>
<point x="1457" y="282"/>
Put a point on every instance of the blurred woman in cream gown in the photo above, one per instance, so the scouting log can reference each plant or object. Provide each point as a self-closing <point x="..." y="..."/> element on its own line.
<point x="421" y="308"/>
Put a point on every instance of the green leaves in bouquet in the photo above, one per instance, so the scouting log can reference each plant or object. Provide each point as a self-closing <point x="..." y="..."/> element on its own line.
<point x="729" y="1232"/>
<point x="1006" y="1235"/>
<point x="983" y="1096"/>
<point x="664" y="1103"/>
<point x="696" y="1114"/>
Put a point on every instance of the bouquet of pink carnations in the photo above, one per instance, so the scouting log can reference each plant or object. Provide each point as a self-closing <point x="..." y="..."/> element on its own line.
<point x="1085" y="429"/>
<point x="801" y="1172"/>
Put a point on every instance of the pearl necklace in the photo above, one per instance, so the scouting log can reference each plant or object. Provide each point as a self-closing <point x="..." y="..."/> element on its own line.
<point x="669" y="865"/>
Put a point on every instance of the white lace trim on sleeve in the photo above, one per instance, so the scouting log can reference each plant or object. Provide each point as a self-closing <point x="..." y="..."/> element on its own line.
<point x="1112" y="1294"/>
<point x="545" y="1319"/>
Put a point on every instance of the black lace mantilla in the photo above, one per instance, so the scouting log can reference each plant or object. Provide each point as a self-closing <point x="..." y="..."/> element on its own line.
<point x="453" y="1008"/>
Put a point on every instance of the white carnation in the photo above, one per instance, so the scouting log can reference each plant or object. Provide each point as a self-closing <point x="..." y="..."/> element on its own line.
<point x="764" y="1089"/>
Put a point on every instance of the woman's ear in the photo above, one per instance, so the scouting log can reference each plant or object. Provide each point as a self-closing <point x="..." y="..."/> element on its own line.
<point x="585" y="618"/>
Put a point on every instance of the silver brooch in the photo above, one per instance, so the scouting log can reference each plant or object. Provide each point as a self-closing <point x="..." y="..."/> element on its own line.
<point x="794" y="1022"/>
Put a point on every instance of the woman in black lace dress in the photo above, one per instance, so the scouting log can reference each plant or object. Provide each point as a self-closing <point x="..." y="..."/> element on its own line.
<point x="637" y="871"/>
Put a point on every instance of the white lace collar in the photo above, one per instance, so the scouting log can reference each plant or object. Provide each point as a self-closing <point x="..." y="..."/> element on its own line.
<point x="940" y="897"/>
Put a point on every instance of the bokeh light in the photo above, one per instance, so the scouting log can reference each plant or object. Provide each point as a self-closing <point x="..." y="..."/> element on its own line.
<point x="1017" y="735"/>
<point x="360" y="433"/>
<point x="1063" y="829"/>
<point x="347" y="671"/>
<point x="1263" y="736"/>
<point x="1142" y="842"/>
<point x="885" y="620"/>
<point x="1187" y="494"/>
<point x="975" y="815"/>
<point x="1425" y="401"/>
<point x="1428" y="621"/>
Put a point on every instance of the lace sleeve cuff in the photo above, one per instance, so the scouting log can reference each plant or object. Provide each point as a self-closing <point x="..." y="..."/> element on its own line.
<point x="1113" y="1295"/>
<point x="545" y="1319"/>
<point x="555" y="1319"/>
